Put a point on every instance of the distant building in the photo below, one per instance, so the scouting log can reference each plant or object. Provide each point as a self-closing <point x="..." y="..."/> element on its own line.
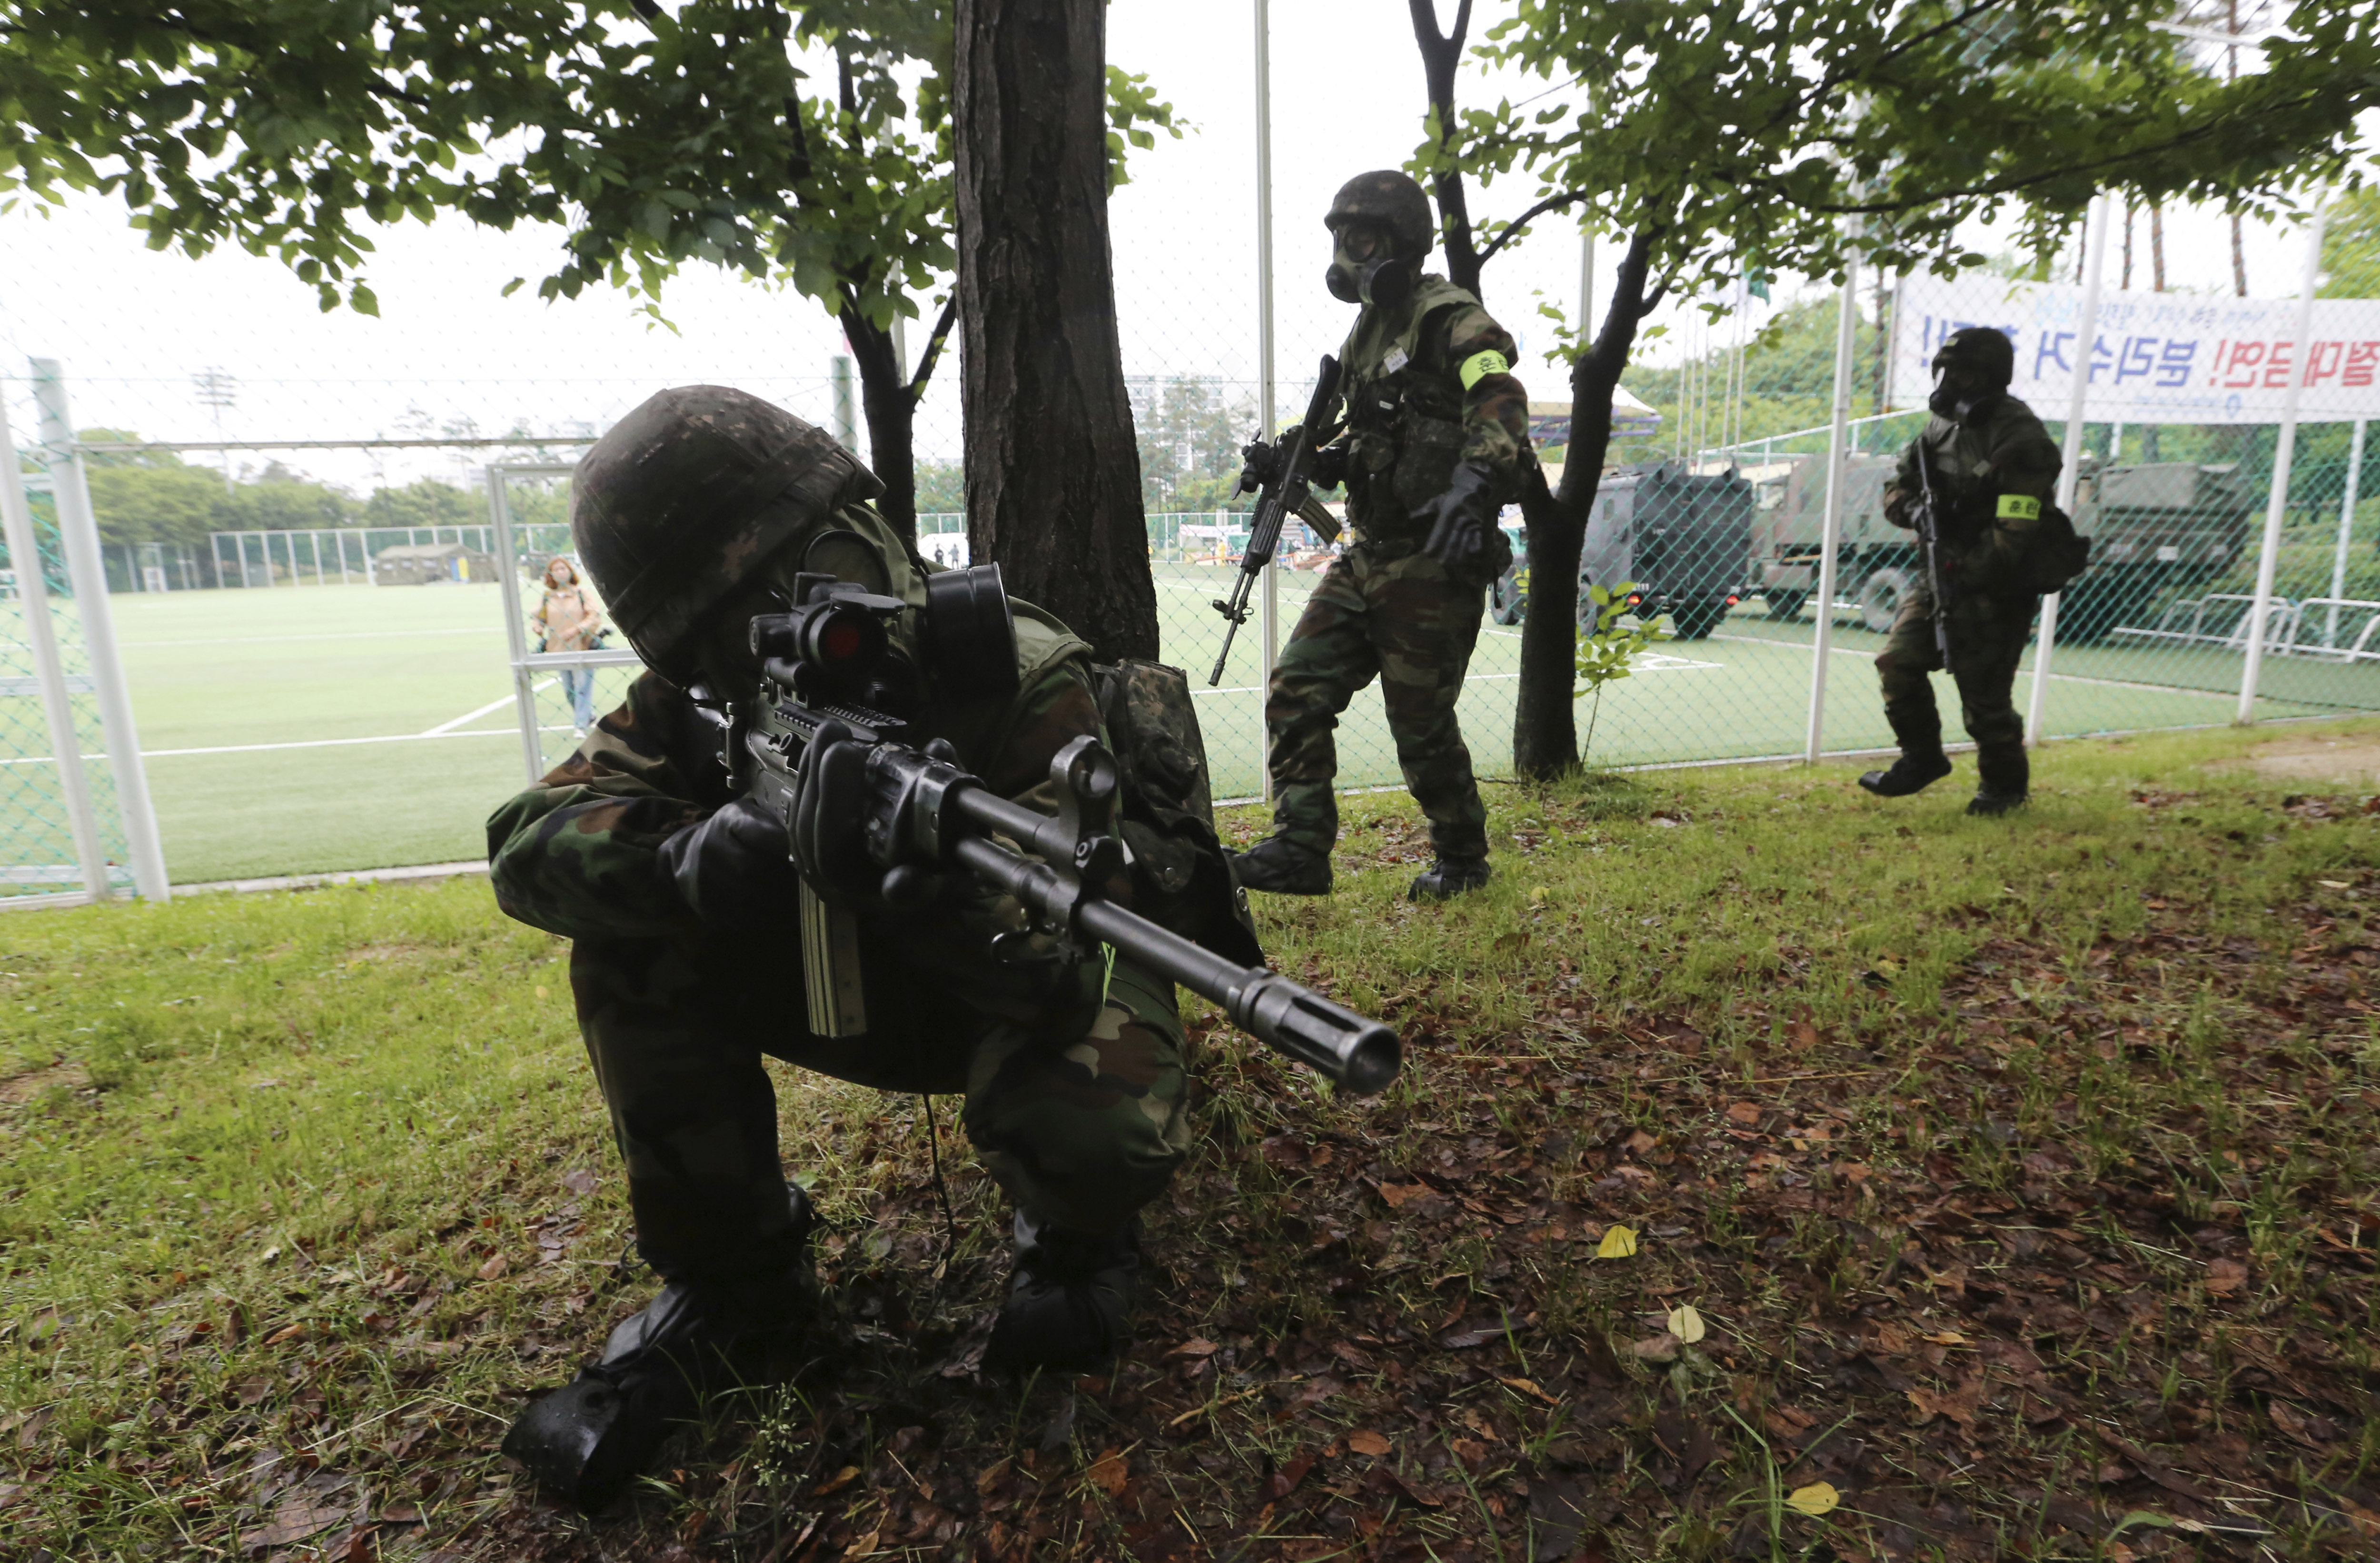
<point x="421" y="564"/>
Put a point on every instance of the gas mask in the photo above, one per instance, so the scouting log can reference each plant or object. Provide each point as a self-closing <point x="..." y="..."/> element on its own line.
<point x="1961" y="394"/>
<point x="1363" y="271"/>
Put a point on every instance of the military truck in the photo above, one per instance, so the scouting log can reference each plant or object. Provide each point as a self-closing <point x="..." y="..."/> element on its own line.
<point x="1682" y="538"/>
<point x="2157" y="530"/>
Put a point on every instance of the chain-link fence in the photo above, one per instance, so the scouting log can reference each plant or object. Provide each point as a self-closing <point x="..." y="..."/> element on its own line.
<point x="75" y="822"/>
<point x="332" y="662"/>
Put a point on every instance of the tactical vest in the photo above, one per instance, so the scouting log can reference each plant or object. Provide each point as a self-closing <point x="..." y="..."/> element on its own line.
<point x="1404" y="411"/>
<point x="1961" y="457"/>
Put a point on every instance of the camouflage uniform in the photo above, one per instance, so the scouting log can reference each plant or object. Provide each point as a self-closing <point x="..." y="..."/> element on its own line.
<point x="1992" y="474"/>
<point x="1074" y="1095"/>
<point x="1427" y="386"/>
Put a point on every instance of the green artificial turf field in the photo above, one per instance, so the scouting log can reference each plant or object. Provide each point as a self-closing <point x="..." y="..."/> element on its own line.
<point x="312" y="728"/>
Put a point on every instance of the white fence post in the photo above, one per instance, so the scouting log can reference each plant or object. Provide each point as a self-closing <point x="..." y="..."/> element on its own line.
<point x="2284" y="452"/>
<point x="515" y="623"/>
<point x="2069" y="470"/>
<point x="1838" y="439"/>
<point x="1269" y="627"/>
<point x="49" y="670"/>
<point x="2346" y="531"/>
<point x="78" y="535"/>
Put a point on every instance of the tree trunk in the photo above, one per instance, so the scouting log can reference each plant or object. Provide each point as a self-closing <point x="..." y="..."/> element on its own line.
<point x="1052" y="475"/>
<point x="1544" y="721"/>
<point x="1440" y="53"/>
<point x="892" y="414"/>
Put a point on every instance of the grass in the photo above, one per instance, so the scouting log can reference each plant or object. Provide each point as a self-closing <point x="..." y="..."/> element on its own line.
<point x="2025" y="1173"/>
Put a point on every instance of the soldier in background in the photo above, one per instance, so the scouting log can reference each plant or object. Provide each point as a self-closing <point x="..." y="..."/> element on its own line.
<point x="1436" y="443"/>
<point x="1992" y="470"/>
<point x="693" y="515"/>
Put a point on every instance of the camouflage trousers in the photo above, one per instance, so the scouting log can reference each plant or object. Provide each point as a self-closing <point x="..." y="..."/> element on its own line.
<point x="1402" y="620"/>
<point x="1081" y="1125"/>
<point x="1987" y="634"/>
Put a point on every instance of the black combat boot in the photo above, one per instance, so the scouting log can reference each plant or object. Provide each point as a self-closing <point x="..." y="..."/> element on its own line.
<point x="2005" y="779"/>
<point x="584" y="1441"/>
<point x="1282" y="867"/>
<point x="1448" y="877"/>
<point x="1070" y="1301"/>
<point x="1921" y="761"/>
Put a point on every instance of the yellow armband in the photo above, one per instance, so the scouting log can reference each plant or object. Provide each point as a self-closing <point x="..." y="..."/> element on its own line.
<point x="1479" y="365"/>
<point x="2019" y="508"/>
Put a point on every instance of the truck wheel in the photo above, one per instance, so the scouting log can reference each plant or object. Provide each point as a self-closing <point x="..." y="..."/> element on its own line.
<point x="1694" y="621"/>
<point x="1881" y="598"/>
<point x="1783" y="604"/>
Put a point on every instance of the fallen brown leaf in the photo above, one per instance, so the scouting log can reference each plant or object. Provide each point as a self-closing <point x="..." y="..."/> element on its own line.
<point x="1367" y="1443"/>
<point x="1109" y="1473"/>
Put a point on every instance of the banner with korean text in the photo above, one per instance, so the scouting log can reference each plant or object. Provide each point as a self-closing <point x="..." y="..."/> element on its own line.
<point x="2155" y="358"/>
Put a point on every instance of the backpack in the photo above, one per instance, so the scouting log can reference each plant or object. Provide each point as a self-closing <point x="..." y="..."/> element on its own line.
<point x="1181" y="879"/>
<point x="2059" y="553"/>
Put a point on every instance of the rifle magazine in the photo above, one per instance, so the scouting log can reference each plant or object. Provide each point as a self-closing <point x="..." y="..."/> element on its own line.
<point x="830" y="972"/>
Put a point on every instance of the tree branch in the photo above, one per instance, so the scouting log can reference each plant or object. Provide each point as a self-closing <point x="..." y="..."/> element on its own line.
<point x="1441" y="54"/>
<point x="2015" y="182"/>
<point x="926" y="359"/>
<point x="200" y="35"/>
<point x="1510" y="230"/>
<point x="1832" y="77"/>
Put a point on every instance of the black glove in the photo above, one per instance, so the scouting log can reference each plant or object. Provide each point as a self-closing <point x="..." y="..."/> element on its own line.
<point x="1463" y="535"/>
<point x="733" y="869"/>
<point x="1329" y="467"/>
<point x="830" y="807"/>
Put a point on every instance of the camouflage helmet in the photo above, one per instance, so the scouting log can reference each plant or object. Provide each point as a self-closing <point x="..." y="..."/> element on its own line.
<point x="1390" y="199"/>
<point x="1983" y="351"/>
<point x="688" y="495"/>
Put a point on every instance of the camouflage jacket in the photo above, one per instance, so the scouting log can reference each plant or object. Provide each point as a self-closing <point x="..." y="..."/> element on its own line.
<point x="579" y="853"/>
<point x="1428" y="384"/>
<point x="1992" y="476"/>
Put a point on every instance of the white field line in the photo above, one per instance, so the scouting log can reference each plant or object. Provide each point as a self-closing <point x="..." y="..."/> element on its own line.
<point x="2054" y="677"/>
<point x="444" y="727"/>
<point x="269" y="748"/>
<point x="271" y="640"/>
<point x="444" y="730"/>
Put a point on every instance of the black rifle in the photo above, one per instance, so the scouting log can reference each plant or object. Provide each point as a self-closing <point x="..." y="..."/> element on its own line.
<point x="920" y="815"/>
<point x="1284" y="491"/>
<point x="1929" y="534"/>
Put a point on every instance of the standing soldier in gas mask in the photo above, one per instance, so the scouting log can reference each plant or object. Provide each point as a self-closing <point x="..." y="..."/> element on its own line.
<point x="1992" y="475"/>
<point x="1436" y="442"/>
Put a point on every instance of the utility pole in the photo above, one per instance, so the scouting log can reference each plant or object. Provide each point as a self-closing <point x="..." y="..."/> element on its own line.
<point x="218" y="390"/>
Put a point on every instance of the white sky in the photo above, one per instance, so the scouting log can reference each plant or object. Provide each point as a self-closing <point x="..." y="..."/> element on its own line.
<point x="132" y="327"/>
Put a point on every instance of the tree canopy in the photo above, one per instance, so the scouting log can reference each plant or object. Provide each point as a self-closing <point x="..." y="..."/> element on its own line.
<point x="656" y="135"/>
<point x="1743" y="136"/>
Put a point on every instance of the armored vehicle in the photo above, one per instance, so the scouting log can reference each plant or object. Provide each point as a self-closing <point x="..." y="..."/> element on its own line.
<point x="2156" y="531"/>
<point x="1683" y="539"/>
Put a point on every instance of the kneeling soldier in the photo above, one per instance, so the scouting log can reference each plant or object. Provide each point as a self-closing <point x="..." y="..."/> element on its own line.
<point x="694" y="516"/>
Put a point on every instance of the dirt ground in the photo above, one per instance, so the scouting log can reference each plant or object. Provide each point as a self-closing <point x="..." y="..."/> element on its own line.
<point x="2349" y="759"/>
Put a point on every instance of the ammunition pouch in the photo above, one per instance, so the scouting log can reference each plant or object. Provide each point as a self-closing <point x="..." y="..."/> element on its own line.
<point x="1181" y="879"/>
